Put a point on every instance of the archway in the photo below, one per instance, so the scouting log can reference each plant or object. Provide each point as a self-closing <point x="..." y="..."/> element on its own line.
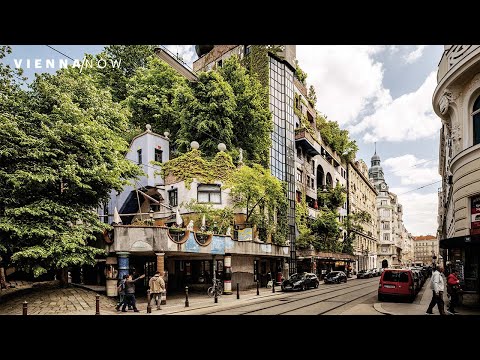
<point x="385" y="264"/>
<point x="320" y="177"/>
<point x="329" y="180"/>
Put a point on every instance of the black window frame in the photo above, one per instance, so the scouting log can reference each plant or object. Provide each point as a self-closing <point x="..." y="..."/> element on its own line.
<point x="171" y="193"/>
<point x="156" y="153"/>
<point x="476" y="122"/>
<point x="139" y="157"/>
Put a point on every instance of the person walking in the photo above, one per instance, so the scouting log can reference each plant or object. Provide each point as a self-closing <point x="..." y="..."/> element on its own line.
<point x="453" y="288"/>
<point x="121" y="292"/>
<point x="157" y="286"/>
<point x="130" y="293"/>
<point x="438" y="286"/>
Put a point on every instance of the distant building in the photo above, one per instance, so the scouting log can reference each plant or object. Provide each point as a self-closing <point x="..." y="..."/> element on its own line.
<point x="456" y="100"/>
<point x="392" y="232"/>
<point x="362" y="196"/>
<point x="426" y="249"/>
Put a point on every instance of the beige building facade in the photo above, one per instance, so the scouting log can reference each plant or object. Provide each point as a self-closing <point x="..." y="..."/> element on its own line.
<point x="362" y="196"/>
<point x="426" y="249"/>
<point x="456" y="100"/>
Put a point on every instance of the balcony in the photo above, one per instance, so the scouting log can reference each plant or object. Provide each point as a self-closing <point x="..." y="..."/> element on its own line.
<point x="306" y="141"/>
<point x="454" y="58"/>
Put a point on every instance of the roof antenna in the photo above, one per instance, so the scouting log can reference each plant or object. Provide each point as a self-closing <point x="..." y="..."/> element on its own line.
<point x="375" y="148"/>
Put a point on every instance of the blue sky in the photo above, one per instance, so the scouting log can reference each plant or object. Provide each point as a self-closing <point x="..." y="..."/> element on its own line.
<point x="379" y="93"/>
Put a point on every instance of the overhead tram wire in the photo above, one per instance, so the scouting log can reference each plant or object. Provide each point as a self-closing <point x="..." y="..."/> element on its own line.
<point x="421" y="187"/>
<point x="51" y="47"/>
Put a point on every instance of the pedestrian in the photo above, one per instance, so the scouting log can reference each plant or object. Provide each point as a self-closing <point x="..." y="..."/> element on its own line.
<point x="453" y="289"/>
<point x="130" y="293"/>
<point x="438" y="286"/>
<point x="157" y="287"/>
<point x="121" y="292"/>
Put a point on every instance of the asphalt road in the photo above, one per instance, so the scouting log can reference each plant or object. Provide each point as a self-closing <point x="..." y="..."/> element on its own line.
<point x="331" y="299"/>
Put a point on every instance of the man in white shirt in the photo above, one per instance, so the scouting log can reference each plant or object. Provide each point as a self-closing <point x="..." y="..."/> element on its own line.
<point x="438" y="286"/>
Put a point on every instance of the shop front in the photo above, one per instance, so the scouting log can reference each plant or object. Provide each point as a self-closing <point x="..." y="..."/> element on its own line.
<point x="463" y="254"/>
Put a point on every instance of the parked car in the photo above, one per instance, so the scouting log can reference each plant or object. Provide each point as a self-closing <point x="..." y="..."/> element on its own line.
<point x="300" y="281"/>
<point x="398" y="283"/>
<point x="335" y="277"/>
<point x="362" y="274"/>
<point x="375" y="272"/>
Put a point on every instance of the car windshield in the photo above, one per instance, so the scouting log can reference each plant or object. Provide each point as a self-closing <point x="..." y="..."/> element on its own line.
<point x="333" y="273"/>
<point x="297" y="277"/>
<point x="362" y="271"/>
<point x="397" y="276"/>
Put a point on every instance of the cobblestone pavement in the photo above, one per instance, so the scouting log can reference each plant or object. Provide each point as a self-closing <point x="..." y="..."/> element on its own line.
<point x="71" y="301"/>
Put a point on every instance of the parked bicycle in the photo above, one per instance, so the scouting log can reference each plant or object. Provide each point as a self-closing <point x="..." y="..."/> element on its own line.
<point x="218" y="286"/>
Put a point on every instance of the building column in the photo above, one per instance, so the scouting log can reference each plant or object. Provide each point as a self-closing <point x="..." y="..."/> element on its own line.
<point x="161" y="269"/>
<point x="123" y="263"/>
<point x="227" y="274"/>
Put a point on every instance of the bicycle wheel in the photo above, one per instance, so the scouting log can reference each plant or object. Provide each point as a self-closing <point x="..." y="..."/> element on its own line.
<point x="210" y="291"/>
<point x="219" y="290"/>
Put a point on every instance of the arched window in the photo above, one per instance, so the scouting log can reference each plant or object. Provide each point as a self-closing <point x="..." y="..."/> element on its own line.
<point x="476" y="121"/>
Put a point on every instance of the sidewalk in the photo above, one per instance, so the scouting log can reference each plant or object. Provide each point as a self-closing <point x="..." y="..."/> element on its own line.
<point x="420" y="307"/>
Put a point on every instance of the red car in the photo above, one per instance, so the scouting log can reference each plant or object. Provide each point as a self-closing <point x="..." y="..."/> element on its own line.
<point x="397" y="283"/>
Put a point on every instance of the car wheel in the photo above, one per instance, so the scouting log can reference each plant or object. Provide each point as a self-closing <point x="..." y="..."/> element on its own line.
<point x="316" y="285"/>
<point x="304" y="287"/>
<point x="345" y="280"/>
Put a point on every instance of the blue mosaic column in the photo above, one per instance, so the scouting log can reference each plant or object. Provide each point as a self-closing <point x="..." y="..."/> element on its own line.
<point x="123" y="264"/>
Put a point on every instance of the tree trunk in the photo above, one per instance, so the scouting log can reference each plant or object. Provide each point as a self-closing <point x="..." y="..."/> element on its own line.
<point x="62" y="276"/>
<point x="3" y="279"/>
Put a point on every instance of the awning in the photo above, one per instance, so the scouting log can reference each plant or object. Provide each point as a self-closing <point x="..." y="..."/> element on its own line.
<point x="460" y="241"/>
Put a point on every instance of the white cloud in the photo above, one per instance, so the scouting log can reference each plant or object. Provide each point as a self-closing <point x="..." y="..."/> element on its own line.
<point x="420" y="212"/>
<point x="185" y="52"/>
<point x="412" y="170"/>
<point x="346" y="78"/>
<point x="414" y="55"/>
<point x="408" y="117"/>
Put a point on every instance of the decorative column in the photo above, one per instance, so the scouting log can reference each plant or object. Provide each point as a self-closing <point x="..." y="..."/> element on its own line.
<point x="227" y="274"/>
<point x="161" y="269"/>
<point x="123" y="263"/>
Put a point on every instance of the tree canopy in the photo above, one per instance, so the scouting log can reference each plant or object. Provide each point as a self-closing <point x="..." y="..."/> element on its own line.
<point x="60" y="156"/>
<point x="337" y="138"/>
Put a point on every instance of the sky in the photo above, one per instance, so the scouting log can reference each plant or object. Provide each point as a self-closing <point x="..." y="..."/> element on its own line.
<point x="380" y="93"/>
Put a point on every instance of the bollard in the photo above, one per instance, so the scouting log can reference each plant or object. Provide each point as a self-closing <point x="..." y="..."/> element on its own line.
<point x="97" y="304"/>
<point x="238" y="292"/>
<point x="25" y="307"/>
<point x="258" y="287"/>
<point x="273" y="286"/>
<point x="186" y="297"/>
<point x="215" y="297"/>
<point x="149" y="306"/>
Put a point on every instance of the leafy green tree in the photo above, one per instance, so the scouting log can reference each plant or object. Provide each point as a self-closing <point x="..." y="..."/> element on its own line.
<point x="312" y="96"/>
<point x="333" y="198"/>
<point x="219" y="218"/>
<point x="151" y="94"/>
<point x="260" y="193"/>
<point x="60" y="158"/>
<point x="206" y="115"/>
<point x="129" y="58"/>
<point x="251" y="118"/>
<point x="337" y="138"/>
<point x="354" y="223"/>
<point x="326" y="229"/>
<point x="300" y="74"/>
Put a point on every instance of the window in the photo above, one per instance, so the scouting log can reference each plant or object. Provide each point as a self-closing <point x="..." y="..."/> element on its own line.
<point x="219" y="63"/>
<point x="386" y="225"/>
<point x="209" y="194"/>
<point x="476" y="121"/>
<point x="299" y="175"/>
<point x="248" y="48"/>
<point x="383" y="202"/>
<point x="299" y="153"/>
<point x="386" y="237"/>
<point x="173" y="197"/>
<point x="139" y="156"/>
<point x="158" y="155"/>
